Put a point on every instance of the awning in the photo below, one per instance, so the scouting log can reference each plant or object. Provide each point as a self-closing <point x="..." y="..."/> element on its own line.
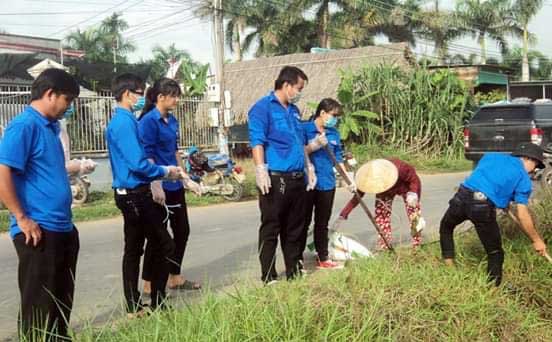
<point x="488" y="77"/>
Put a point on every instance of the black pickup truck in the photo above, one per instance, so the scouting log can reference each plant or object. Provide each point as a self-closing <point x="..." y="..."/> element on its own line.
<point x="501" y="127"/>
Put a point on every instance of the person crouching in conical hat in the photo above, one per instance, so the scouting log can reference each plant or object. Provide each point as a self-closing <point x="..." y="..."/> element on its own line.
<point x="388" y="178"/>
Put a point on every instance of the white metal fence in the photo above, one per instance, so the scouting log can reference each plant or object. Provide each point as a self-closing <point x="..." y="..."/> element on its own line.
<point x="92" y="113"/>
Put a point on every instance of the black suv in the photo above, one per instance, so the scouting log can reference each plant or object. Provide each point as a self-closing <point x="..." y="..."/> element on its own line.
<point x="501" y="127"/>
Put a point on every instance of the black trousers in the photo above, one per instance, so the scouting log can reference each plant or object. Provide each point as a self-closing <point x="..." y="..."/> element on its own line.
<point x="282" y="215"/>
<point x="143" y="219"/>
<point x="322" y="203"/>
<point x="180" y="226"/>
<point x="482" y="214"/>
<point x="46" y="276"/>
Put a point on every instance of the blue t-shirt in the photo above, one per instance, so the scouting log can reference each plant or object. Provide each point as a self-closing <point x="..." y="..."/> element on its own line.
<point x="32" y="149"/>
<point x="502" y="178"/>
<point x="322" y="163"/>
<point x="160" y="141"/>
<point x="129" y="164"/>
<point x="279" y="131"/>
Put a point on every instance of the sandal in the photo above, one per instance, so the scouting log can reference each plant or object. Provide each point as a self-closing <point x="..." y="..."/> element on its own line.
<point x="187" y="285"/>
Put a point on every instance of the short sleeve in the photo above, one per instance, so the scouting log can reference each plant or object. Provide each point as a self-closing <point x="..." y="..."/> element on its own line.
<point x="258" y="124"/>
<point x="148" y="132"/>
<point x="16" y="145"/>
<point x="522" y="191"/>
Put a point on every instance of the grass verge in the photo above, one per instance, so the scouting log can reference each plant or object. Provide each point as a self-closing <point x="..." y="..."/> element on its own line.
<point x="404" y="297"/>
<point x="422" y="163"/>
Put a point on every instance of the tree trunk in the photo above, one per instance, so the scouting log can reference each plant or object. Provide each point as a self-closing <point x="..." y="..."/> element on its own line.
<point x="323" y="25"/>
<point x="525" y="60"/>
<point x="481" y="40"/>
<point x="236" y="41"/>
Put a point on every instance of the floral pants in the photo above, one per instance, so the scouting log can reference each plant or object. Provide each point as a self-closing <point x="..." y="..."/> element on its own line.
<point x="383" y="219"/>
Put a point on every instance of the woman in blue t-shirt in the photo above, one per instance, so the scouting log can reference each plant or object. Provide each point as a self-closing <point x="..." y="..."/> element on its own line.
<point x="322" y="125"/>
<point x="159" y="134"/>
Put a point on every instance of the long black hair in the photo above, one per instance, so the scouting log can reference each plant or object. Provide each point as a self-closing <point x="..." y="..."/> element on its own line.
<point x="163" y="86"/>
<point x="328" y="105"/>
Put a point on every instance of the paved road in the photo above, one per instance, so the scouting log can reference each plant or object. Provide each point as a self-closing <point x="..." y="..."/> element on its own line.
<point x="222" y="249"/>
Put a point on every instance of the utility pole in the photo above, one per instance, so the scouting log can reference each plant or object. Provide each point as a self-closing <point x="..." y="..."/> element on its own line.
<point x="218" y="39"/>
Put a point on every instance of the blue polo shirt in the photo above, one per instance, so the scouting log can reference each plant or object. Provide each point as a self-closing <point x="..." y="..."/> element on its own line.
<point x="160" y="141"/>
<point x="502" y="178"/>
<point x="32" y="149"/>
<point x="322" y="163"/>
<point x="129" y="164"/>
<point x="278" y="130"/>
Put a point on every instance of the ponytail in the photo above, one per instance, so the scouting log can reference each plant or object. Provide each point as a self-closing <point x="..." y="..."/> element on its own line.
<point x="163" y="86"/>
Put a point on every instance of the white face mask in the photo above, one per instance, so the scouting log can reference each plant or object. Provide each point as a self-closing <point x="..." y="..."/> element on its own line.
<point x="294" y="99"/>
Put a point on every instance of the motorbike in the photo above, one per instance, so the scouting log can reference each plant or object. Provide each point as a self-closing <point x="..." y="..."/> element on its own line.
<point x="79" y="188"/>
<point x="80" y="183"/>
<point x="216" y="174"/>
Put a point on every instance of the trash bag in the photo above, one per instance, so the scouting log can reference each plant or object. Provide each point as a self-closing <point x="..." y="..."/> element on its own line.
<point x="342" y="247"/>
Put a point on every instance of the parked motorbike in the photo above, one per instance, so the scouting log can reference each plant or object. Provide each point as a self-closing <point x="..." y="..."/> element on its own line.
<point x="217" y="174"/>
<point x="80" y="183"/>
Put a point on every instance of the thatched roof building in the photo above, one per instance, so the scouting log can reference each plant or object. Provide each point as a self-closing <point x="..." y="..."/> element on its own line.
<point x="247" y="81"/>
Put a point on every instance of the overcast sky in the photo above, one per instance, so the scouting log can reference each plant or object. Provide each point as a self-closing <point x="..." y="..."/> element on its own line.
<point x="162" y="22"/>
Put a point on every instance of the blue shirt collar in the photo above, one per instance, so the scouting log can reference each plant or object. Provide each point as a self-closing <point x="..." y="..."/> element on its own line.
<point x="158" y="115"/>
<point x="54" y="124"/>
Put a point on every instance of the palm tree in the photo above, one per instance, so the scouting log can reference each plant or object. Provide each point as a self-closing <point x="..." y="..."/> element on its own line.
<point x="357" y="23"/>
<point x="111" y="28"/>
<point x="522" y="12"/>
<point x="90" y="41"/>
<point x="161" y="56"/>
<point x="235" y="13"/>
<point x="440" y="28"/>
<point x="540" y="66"/>
<point x="485" y="19"/>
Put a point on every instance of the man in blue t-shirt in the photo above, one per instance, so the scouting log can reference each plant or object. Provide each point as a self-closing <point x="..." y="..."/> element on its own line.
<point x="497" y="180"/>
<point x="35" y="188"/>
<point x="278" y="143"/>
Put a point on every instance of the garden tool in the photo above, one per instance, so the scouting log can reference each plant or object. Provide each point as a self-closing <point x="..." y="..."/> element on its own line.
<point x="343" y="174"/>
<point x="514" y="218"/>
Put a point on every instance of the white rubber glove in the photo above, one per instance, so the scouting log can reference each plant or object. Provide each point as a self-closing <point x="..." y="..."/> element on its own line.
<point x="157" y="192"/>
<point x="192" y="186"/>
<point x="311" y="177"/>
<point x="87" y="166"/>
<point x="318" y="142"/>
<point x="336" y="225"/>
<point x="351" y="187"/>
<point x="412" y="199"/>
<point x="262" y="179"/>
<point x="173" y="172"/>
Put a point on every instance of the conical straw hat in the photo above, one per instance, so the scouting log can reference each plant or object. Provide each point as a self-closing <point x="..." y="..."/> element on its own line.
<point x="376" y="176"/>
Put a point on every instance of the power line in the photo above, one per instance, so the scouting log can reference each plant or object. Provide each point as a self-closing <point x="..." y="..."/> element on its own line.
<point x="92" y="17"/>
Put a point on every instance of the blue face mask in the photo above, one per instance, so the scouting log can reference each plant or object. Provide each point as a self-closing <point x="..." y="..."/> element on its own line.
<point x="69" y="111"/>
<point x="140" y="103"/>
<point x="331" y="122"/>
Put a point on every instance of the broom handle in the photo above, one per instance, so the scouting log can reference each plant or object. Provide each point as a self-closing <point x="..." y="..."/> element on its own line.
<point x="358" y="197"/>
<point x="514" y="218"/>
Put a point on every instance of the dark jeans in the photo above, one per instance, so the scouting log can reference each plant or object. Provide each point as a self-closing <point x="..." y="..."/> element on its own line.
<point x="143" y="219"/>
<point x="283" y="215"/>
<point x="322" y="203"/>
<point x="46" y="284"/>
<point x="180" y="226"/>
<point x="482" y="214"/>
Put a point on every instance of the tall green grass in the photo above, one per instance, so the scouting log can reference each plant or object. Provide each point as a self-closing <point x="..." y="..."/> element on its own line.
<point x="410" y="296"/>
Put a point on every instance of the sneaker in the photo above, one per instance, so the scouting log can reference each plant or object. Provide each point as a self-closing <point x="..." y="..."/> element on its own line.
<point x="328" y="264"/>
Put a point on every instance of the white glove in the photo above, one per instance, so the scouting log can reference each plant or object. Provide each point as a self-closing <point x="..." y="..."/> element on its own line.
<point x="262" y="179"/>
<point x="412" y="199"/>
<point x="87" y="166"/>
<point x="318" y="142"/>
<point x="336" y="225"/>
<point x="157" y="192"/>
<point x="173" y="172"/>
<point x="193" y="186"/>
<point x="351" y="187"/>
<point x="311" y="177"/>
